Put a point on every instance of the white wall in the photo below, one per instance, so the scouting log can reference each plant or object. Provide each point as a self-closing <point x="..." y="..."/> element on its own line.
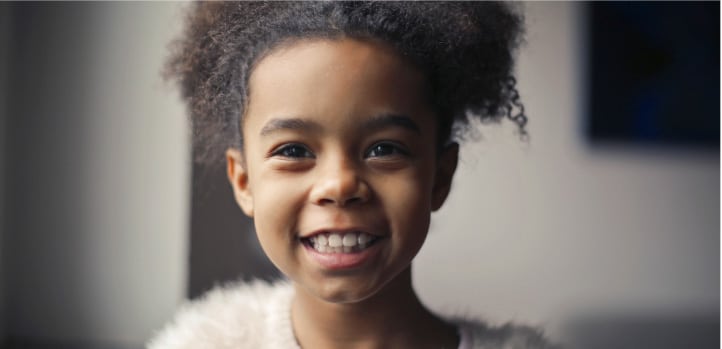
<point x="557" y="228"/>
<point x="101" y="176"/>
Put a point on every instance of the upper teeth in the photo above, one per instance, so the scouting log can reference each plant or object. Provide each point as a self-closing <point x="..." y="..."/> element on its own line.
<point x="341" y="239"/>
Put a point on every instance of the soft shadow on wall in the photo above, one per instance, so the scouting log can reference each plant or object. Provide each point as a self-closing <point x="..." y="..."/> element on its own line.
<point x="97" y="176"/>
<point x="223" y="243"/>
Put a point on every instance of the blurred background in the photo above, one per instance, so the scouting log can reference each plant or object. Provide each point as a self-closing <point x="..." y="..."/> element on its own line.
<point x="604" y="228"/>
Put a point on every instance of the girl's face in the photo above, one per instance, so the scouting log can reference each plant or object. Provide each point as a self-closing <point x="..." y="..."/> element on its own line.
<point x="339" y="149"/>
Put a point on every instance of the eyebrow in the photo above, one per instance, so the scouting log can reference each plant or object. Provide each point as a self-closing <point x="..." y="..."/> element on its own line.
<point x="298" y="124"/>
<point x="374" y="124"/>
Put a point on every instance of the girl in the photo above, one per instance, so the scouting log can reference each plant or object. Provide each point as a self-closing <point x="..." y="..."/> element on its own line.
<point x="338" y="121"/>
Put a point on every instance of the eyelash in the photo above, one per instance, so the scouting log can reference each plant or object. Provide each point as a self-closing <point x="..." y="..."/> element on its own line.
<point x="396" y="149"/>
<point x="300" y="151"/>
<point x="288" y="150"/>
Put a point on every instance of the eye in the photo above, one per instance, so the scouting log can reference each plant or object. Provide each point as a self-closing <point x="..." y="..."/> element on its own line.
<point x="385" y="149"/>
<point x="292" y="151"/>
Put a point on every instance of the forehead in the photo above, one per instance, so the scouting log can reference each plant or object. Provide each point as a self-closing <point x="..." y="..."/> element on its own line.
<point x="345" y="77"/>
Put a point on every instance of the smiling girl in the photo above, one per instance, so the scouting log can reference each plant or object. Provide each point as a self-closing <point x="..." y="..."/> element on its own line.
<point x="337" y="121"/>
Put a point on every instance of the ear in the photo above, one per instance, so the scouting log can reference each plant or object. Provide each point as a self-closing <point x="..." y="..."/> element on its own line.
<point x="238" y="176"/>
<point x="445" y="168"/>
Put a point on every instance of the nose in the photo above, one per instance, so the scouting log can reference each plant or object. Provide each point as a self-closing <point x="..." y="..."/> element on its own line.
<point x="339" y="184"/>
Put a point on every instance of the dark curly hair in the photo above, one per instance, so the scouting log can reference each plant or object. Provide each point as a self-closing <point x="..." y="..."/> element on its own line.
<point x="465" y="50"/>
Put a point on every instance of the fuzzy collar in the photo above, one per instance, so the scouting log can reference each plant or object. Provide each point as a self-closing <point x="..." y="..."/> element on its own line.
<point x="256" y="315"/>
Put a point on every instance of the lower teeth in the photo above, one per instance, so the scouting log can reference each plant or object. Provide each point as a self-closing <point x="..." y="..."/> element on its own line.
<point x="340" y="249"/>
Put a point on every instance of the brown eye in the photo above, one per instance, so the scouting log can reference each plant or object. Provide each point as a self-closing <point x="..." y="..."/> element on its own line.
<point x="293" y="151"/>
<point x="385" y="149"/>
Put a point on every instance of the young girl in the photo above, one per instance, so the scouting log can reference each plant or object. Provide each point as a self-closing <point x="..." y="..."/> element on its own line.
<point x="338" y="121"/>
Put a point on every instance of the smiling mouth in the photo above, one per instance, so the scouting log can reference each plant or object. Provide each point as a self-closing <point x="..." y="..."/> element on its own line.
<point x="350" y="242"/>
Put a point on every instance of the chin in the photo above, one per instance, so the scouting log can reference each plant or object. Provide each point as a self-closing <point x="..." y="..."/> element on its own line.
<point x="343" y="291"/>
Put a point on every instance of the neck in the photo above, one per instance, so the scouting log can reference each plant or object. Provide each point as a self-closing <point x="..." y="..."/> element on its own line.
<point x="394" y="317"/>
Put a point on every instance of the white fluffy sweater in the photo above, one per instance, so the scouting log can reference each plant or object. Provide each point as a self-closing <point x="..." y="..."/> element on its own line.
<point x="257" y="315"/>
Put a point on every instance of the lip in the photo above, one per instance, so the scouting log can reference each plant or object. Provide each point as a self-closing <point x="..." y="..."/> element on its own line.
<point x="343" y="261"/>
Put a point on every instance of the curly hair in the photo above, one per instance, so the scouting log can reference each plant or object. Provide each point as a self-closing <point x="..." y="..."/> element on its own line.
<point x="465" y="50"/>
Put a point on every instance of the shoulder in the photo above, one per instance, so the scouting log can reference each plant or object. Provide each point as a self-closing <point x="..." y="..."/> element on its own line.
<point x="231" y="316"/>
<point x="481" y="335"/>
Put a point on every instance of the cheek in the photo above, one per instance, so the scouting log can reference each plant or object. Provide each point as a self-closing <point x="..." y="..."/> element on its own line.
<point x="408" y="203"/>
<point x="276" y="206"/>
<point x="409" y="212"/>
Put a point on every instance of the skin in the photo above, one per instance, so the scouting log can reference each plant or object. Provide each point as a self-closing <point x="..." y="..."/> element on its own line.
<point x="338" y="134"/>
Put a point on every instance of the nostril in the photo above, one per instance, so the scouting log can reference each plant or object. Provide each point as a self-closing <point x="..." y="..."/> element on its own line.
<point x="326" y="201"/>
<point x="352" y="200"/>
<point x="344" y="202"/>
<point x="339" y="189"/>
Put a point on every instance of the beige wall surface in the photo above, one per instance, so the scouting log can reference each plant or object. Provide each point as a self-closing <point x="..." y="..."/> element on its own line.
<point x="557" y="228"/>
